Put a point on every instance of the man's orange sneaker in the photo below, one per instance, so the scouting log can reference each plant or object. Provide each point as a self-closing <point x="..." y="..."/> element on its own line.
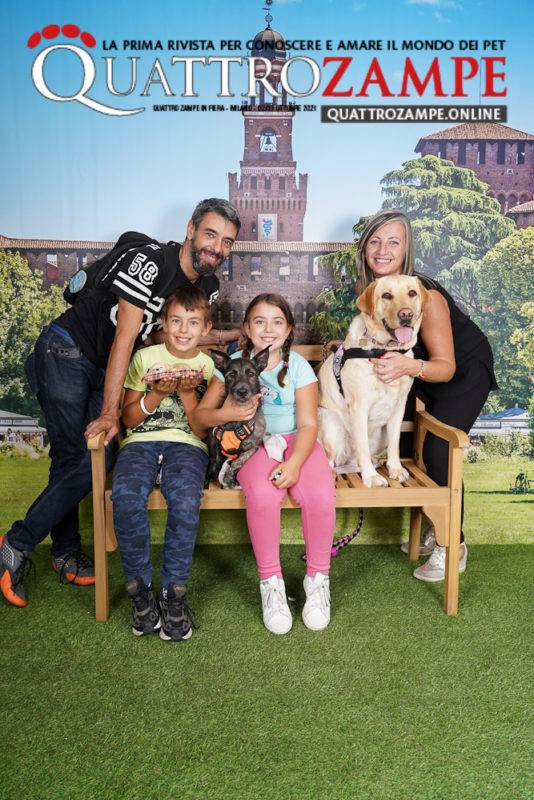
<point x="75" y="568"/>
<point x="12" y="564"/>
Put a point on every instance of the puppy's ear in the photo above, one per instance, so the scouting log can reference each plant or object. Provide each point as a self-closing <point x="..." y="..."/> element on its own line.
<point x="365" y="301"/>
<point x="262" y="358"/>
<point x="426" y="297"/>
<point x="220" y="359"/>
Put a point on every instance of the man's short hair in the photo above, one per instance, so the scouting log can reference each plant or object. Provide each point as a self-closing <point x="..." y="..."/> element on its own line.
<point x="218" y="206"/>
<point x="189" y="297"/>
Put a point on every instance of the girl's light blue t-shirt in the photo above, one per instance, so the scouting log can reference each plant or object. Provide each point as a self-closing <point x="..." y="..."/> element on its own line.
<point x="279" y="404"/>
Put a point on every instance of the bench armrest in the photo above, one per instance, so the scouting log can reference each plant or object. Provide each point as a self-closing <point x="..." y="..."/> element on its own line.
<point x="454" y="436"/>
<point x="96" y="442"/>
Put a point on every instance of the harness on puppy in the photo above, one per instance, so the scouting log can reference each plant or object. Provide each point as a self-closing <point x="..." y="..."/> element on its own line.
<point x="230" y="440"/>
<point x="341" y="356"/>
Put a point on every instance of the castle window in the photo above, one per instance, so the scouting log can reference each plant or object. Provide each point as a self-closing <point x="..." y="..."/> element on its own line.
<point x="481" y="155"/>
<point x="520" y="158"/>
<point x="442" y="151"/>
<point x="267" y="182"/>
<point x="253" y="182"/>
<point x="282" y="183"/>
<point x="461" y="152"/>
<point x="255" y="268"/>
<point x="281" y="227"/>
<point x="268" y="144"/>
<point x="253" y="227"/>
<point x="284" y="268"/>
<point x="500" y="152"/>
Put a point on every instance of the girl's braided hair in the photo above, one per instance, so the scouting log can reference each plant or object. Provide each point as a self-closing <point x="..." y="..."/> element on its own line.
<point x="281" y="303"/>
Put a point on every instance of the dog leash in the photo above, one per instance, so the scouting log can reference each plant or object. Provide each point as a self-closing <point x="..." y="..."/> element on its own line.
<point x="339" y="544"/>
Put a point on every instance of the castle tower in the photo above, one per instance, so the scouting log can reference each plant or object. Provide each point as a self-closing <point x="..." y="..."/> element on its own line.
<point x="500" y="156"/>
<point x="268" y="195"/>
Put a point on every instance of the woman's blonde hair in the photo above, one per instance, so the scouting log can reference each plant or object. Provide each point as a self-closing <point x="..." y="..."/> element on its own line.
<point x="384" y="217"/>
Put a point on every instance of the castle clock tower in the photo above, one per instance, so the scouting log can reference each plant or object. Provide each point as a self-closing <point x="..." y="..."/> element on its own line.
<point x="268" y="195"/>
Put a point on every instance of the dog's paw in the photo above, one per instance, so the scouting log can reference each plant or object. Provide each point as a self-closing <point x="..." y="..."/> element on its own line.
<point x="398" y="473"/>
<point x="372" y="479"/>
<point x="229" y="482"/>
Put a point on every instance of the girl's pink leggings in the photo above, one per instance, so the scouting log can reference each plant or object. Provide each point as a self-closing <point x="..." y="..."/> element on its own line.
<point x="315" y="494"/>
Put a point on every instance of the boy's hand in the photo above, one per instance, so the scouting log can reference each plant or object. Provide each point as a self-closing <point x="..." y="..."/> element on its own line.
<point x="164" y="386"/>
<point x="189" y="384"/>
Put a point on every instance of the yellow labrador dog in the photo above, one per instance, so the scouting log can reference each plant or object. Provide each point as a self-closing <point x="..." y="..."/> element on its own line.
<point x="360" y="415"/>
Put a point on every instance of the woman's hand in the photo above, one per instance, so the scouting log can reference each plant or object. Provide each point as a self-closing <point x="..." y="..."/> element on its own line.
<point x="392" y="366"/>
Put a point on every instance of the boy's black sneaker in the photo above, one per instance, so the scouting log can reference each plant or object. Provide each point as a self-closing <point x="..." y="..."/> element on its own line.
<point x="176" y="621"/>
<point x="145" y="614"/>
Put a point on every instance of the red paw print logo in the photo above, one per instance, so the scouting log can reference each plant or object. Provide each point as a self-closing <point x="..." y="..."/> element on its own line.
<point x="53" y="31"/>
<point x="86" y="68"/>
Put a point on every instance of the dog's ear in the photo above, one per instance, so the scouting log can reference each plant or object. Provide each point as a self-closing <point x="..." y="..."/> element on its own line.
<point x="365" y="301"/>
<point x="220" y="359"/>
<point x="426" y="297"/>
<point x="262" y="358"/>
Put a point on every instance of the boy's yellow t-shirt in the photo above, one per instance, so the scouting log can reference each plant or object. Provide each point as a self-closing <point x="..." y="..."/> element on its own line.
<point x="169" y="421"/>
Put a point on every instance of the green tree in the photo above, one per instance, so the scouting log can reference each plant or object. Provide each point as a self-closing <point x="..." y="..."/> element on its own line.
<point x="506" y="279"/>
<point x="454" y="222"/>
<point x="451" y="214"/>
<point x="25" y="308"/>
<point x="523" y="339"/>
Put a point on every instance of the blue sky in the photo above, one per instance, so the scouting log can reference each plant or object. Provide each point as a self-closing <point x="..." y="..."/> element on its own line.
<point x="71" y="172"/>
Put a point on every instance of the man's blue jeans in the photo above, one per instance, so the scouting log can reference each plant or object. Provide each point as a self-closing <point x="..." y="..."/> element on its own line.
<point x="183" y="470"/>
<point x="70" y="391"/>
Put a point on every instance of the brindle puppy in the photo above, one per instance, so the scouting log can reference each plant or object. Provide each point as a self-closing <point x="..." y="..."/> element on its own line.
<point x="237" y="440"/>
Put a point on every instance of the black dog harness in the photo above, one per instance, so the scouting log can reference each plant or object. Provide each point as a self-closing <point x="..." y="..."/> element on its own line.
<point x="341" y="356"/>
<point x="230" y="439"/>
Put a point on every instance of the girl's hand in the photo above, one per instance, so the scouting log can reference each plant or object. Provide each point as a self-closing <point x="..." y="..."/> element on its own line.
<point x="240" y="412"/>
<point x="285" y="475"/>
<point x="392" y="366"/>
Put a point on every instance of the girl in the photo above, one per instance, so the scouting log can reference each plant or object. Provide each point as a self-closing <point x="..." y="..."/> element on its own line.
<point x="289" y="393"/>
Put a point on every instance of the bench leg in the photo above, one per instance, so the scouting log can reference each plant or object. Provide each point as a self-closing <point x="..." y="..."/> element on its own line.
<point x="101" y="563"/>
<point x="416" y="516"/>
<point x="450" y="597"/>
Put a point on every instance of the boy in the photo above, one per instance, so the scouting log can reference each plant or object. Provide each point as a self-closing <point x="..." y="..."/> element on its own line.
<point x="156" y="414"/>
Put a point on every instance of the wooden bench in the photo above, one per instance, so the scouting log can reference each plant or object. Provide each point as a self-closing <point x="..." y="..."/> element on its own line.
<point x="441" y="504"/>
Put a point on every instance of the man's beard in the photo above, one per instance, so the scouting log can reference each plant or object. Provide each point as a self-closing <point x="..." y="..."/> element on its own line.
<point x="200" y="267"/>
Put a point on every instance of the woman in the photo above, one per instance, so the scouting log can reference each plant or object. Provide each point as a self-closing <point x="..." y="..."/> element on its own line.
<point x="453" y="364"/>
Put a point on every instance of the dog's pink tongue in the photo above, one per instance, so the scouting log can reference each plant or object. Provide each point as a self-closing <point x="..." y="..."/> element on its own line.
<point x="404" y="334"/>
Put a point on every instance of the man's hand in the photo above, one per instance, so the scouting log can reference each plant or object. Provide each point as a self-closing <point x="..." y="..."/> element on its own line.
<point x="105" y="422"/>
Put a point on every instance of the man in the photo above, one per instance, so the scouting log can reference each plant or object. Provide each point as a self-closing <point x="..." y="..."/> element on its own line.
<point x="77" y="372"/>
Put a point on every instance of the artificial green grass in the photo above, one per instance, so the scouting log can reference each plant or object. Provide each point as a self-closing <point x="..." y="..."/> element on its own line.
<point x="393" y="701"/>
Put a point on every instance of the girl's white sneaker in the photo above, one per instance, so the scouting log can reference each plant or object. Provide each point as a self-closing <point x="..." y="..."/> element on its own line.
<point x="316" y="611"/>
<point x="276" y="614"/>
